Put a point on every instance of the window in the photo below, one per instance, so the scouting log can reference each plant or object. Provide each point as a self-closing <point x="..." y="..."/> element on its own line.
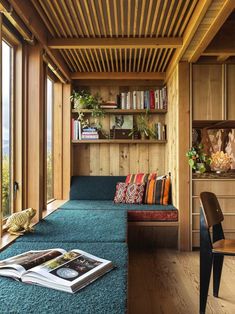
<point x="7" y="156"/>
<point x="49" y="134"/>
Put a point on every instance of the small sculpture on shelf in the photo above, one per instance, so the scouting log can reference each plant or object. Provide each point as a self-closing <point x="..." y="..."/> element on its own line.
<point x="197" y="159"/>
<point x="220" y="162"/>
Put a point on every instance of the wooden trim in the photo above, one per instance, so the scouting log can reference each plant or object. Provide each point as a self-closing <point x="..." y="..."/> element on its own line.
<point x="154" y="223"/>
<point x="118" y="76"/>
<point x="1" y="213"/>
<point x="105" y="43"/>
<point x="227" y="7"/>
<point x="30" y="17"/>
<point x="124" y="111"/>
<point x="117" y="141"/>
<point x="184" y="144"/>
<point x="66" y="145"/>
<point x="193" y="24"/>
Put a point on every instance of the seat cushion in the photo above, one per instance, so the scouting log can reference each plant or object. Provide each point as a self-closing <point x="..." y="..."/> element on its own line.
<point x="94" y="187"/>
<point x="80" y="226"/>
<point x="105" y="295"/>
<point x="109" y="205"/>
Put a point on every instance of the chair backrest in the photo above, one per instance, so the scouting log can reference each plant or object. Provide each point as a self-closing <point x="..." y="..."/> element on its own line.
<point x="211" y="209"/>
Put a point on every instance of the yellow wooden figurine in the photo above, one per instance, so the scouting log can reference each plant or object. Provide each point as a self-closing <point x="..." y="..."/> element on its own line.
<point x="19" y="222"/>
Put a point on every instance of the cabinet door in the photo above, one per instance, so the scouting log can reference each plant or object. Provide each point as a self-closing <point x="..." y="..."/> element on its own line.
<point x="207" y="92"/>
<point x="231" y="92"/>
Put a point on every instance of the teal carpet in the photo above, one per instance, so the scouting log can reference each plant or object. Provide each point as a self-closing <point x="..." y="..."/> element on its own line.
<point x="107" y="295"/>
<point x="108" y="205"/>
<point x="80" y="226"/>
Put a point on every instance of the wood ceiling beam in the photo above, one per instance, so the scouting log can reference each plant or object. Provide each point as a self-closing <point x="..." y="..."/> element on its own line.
<point x="193" y="24"/>
<point x="226" y="9"/>
<point x="118" y="76"/>
<point x="93" y="43"/>
<point x="32" y="20"/>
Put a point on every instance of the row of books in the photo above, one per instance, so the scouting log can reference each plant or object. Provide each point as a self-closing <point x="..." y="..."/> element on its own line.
<point x="79" y="133"/>
<point x="149" y="99"/>
<point x="160" y="131"/>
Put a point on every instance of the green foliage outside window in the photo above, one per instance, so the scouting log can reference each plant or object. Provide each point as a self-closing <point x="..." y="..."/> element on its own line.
<point x="6" y="186"/>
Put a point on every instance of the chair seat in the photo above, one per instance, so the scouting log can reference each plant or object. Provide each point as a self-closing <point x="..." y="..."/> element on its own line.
<point x="224" y="246"/>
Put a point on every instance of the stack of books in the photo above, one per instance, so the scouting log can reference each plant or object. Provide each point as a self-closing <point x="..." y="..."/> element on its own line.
<point x="89" y="134"/>
<point x="76" y="129"/>
<point x="148" y="99"/>
<point x="160" y="130"/>
<point x="109" y="105"/>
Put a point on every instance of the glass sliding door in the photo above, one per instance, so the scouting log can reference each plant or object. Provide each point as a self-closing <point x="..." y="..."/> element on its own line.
<point x="6" y="125"/>
<point x="49" y="134"/>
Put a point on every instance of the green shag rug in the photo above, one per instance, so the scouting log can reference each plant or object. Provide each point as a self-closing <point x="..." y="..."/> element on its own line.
<point x="107" y="295"/>
<point x="109" y="205"/>
<point x="80" y="226"/>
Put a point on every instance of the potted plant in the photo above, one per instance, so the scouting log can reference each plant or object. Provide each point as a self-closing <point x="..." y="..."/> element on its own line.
<point x="142" y="127"/>
<point x="197" y="159"/>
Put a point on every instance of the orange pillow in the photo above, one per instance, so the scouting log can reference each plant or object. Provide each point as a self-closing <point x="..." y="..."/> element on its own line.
<point x="158" y="191"/>
<point x="140" y="178"/>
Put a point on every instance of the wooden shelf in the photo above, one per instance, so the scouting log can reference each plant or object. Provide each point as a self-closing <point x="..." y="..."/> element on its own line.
<point x="125" y="111"/>
<point x="117" y="141"/>
<point x="214" y="124"/>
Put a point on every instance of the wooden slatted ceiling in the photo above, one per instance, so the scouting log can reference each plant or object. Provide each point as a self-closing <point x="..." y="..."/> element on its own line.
<point x="116" y="19"/>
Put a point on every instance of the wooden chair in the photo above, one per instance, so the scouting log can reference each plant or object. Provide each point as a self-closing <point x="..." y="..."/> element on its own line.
<point x="212" y="251"/>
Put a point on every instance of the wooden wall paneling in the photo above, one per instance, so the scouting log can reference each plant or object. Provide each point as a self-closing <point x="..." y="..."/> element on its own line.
<point x="95" y="159"/>
<point x="35" y="136"/>
<point x="66" y="140"/>
<point x="226" y="204"/>
<point x="230" y="91"/>
<point x="18" y="120"/>
<point x="114" y="160"/>
<point x="207" y="92"/>
<point x="104" y="160"/>
<point x="81" y="160"/>
<point x="157" y="159"/>
<point x="134" y="158"/>
<point x="219" y="187"/>
<point x="58" y="140"/>
<point x="143" y="158"/>
<point x="124" y="159"/>
<point x="183" y="146"/>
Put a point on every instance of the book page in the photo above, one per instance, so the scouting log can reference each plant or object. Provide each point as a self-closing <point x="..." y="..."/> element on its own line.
<point x="31" y="259"/>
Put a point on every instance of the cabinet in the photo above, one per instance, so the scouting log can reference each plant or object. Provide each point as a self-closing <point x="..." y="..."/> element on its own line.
<point x="224" y="189"/>
<point x="118" y="156"/>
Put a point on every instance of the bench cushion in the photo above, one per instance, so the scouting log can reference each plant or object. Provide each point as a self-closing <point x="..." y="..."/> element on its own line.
<point x="80" y="226"/>
<point x="94" y="187"/>
<point x="109" y="205"/>
<point x="105" y="295"/>
<point x="153" y="215"/>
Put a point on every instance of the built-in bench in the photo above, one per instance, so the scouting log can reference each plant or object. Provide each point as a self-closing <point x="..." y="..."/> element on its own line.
<point x="89" y="221"/>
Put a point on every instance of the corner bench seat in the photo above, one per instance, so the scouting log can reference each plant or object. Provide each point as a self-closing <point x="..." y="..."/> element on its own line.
<point x="136" y="212"/>
<point x="105" y="295"/>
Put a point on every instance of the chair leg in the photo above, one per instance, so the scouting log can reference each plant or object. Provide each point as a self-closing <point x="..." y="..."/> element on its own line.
<point x="206" y="259"/>
<point x="217" y="270"/>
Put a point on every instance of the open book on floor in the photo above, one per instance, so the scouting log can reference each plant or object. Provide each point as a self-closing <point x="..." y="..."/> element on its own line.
<point x="55" y="268"/>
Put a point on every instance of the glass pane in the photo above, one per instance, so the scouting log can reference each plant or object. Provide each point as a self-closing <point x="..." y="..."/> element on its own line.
<point x="50" y="192"/>
<point x="6" y="129"/>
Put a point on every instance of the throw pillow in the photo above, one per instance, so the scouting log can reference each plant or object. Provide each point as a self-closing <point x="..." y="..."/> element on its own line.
<point x="120" y="194"/>
<point x="135" y="193"/>
<point x="158" y="191"/>
<point x="140" y="178"/>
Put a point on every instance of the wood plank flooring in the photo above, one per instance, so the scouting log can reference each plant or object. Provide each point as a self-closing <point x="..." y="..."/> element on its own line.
<point x="166" y="281"/>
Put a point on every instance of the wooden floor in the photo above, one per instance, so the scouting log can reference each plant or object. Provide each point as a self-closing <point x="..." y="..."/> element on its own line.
<point x="166" y="281"/>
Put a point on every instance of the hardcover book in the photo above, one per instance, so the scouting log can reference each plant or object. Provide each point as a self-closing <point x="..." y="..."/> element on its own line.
<point x="55" y="268"/>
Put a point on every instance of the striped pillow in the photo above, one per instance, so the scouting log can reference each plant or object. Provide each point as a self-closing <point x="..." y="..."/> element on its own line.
<point x="140" y="178"/>
<point x="158" y="191"/>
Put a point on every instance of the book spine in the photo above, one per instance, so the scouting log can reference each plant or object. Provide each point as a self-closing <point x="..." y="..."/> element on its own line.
<point x="152" y="100"/>
<point x="142" y="99"/>
<point x="123" y="100"/>
<point x="118" y="100"/>
<point x="161" y="99"/>
<point x="72" y="129"/>
<point x="128" y="100"/>
<point x="134" y="100"/>
<point x="79" y="130"/>
<point x="138" y="97"/>
<point x="75" y="136"/>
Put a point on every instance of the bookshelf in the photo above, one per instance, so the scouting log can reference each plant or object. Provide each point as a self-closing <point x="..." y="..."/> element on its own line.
<point x="124" y="111"/>
<point x="119" y="141"/>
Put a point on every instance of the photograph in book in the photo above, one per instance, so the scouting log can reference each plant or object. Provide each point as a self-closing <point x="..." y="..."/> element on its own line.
<point x="55" y="268"/>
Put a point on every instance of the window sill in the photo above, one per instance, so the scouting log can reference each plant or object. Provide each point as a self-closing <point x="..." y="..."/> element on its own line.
<point x="7" y="238"/>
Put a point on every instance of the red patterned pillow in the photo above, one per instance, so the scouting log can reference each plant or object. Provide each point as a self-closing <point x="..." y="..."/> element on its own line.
<point x="120" y="195"/>
<point x="135" y="193"/>
<point x="140" y="178"/>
